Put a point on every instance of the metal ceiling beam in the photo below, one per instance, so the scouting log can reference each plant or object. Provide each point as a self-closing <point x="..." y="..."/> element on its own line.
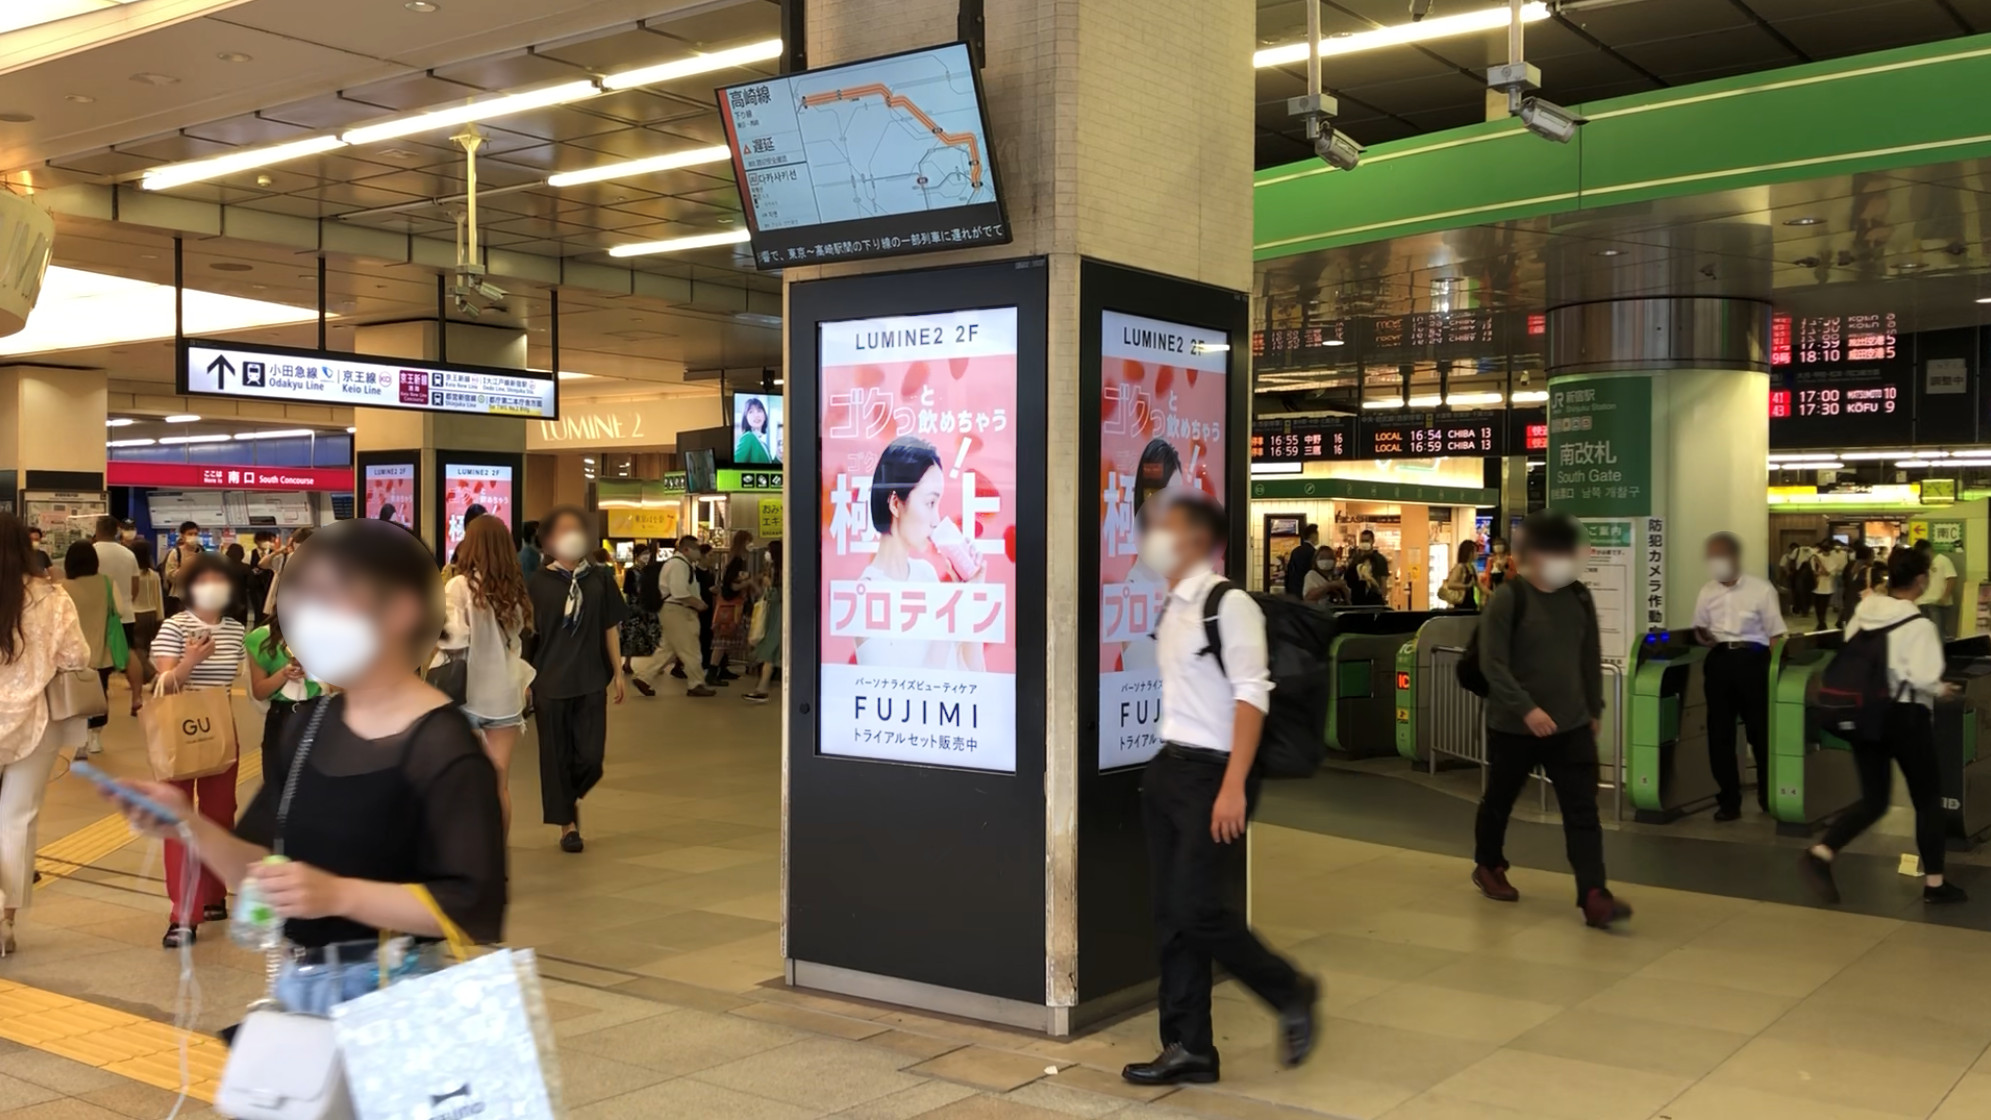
<point x="132" y="206"/>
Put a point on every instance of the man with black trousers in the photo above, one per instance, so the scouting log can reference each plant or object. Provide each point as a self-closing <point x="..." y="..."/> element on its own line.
<point x="1540" y="650"/>
<point x="1737" y="616"/>
<point x="1368" y="573"/>
<point x="576" y="611"/>
<point x="1300" y="561"/>
<point x="1196" y="797"/>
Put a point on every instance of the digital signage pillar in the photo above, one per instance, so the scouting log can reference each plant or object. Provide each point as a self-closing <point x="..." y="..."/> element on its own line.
<point x="971" y="688"/>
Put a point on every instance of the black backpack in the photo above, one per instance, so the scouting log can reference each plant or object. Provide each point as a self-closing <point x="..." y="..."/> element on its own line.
<point x="1853" y="694"/>
<point x="1472" y="676"/>
<point x="1298" y="638"/>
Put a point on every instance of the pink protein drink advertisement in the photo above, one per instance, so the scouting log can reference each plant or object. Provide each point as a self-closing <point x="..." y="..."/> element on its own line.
<point x="1163" y="393"/>
<point x="918" y="503"/>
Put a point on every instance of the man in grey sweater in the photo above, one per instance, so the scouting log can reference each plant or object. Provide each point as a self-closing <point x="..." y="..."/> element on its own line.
<point x="1539" y="649"/>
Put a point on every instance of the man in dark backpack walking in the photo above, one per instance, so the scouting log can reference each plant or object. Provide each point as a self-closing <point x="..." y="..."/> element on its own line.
<point x="1197" y="795"/>
<point x="1540" y="650"/>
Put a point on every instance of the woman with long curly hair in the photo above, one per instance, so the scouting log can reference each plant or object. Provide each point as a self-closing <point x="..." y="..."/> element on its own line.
<point x="484" y="609"/>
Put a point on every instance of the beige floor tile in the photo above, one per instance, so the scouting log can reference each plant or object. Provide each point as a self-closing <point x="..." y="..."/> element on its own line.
<point x="765" y="906"/>
<point x="985" y="1068"/>
<point x="1539" y="981"/>
<point x="57" y="1073"/>
<point x="586" y="1078"/>
<point x="712" y="968"/>
<point x="822" y="1073"/>
<point x="1842" y="1077"/>
<point x="1360" y="956"/>
<point x="138" y="1101"/>
<point x="1433" y="1106"/>
<point x="907" y="1103"/>
<point x="1710" y="1101"/>
<point x="1686" y="1004"/>
<point x="1900" y="1034"/>
<point x="1065" y="1100"/>
<point x="16" y="1093"/>
<point x="1642" y="1044"/>
<point x="982" y="1106"/>
<point x="1108" y="1083"/>
<point x="1970" y="1099"/>
<point x="1795" y="975"/>
<point x="1548" y="1086"/>
<point x="815" y="1022"/>
<point x="1227" y="1104"/>
<point x="1450" y="1013"/>
<point x="1338" y="1095"/>
<point x="697" y="858"/>
<point x="683" y="1042"/>
<point x="687" y="1098"/>
<point x="1571" y="942"/>
<point x="67" y="1108"/>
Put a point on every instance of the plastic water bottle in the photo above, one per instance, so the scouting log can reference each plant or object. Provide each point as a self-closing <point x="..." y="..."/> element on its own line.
<point x="254" y="923"/>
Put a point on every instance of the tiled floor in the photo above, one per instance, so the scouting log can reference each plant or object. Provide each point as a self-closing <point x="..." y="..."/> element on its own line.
<point x="661" y="946"/>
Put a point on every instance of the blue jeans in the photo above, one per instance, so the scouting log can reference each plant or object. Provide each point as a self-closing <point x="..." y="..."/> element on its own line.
<point x="347" y="972"/>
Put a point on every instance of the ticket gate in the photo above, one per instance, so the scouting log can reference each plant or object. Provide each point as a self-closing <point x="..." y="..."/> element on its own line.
<point x="1963" y="734"/>
<point x="1361" y="719"/>
<point x="1666" y="745"/>
<point x="1426" y="679"/>
<point x="1812" y="777"/>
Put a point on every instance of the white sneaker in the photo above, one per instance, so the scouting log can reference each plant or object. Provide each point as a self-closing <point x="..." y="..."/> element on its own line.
<point x="95" y="743"/>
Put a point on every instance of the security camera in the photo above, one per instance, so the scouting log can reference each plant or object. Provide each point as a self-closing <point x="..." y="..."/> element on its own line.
<point x="1336" y="148"/>
<point x="1548" y="120"/>
<point x="1419" y="9"/>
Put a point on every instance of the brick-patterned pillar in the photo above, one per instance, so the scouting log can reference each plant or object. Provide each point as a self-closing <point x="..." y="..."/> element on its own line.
<point x="1123" y="133"/>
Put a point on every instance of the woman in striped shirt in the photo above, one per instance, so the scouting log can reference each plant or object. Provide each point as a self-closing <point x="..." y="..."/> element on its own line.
<point x="200" y="648"/>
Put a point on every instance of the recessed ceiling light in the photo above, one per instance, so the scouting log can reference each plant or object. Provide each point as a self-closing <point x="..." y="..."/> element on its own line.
<point x="1332" y="342"/>
<point x="79" y="98"/>
<point x="230" y="266"/>
<point x="119" y="422"/>
<point x="1804" y="221"/>
<point x="16" y="118"/>
<point x="350" y="431"/>
<point x="1910" y="266"/>
<point x="1610" y="252"/>
<point x="148" y="78"/>
<point x="422" y="6"/>
<point x="235" y="56"/>
<point x="1986" y="299"/>
<point x="182" y="418"/>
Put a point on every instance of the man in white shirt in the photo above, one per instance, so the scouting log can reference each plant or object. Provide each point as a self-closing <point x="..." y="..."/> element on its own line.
<point x="1737" y="616"/>
<point x="1939" y="601"/>
<point x="117" y="562"/>
<point x="677" y="621"/>
<point x="1197" y="795"/>
<point x="1828" y="562"/>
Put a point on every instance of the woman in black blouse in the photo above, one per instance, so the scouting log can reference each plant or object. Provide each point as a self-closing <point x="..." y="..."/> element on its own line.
<point x="394" y="790"/>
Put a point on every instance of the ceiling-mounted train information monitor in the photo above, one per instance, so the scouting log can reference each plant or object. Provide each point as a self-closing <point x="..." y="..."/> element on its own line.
<point x="1841" y="381"/>
<point x="1434" y="435"/>
<point x="870" y="159"/>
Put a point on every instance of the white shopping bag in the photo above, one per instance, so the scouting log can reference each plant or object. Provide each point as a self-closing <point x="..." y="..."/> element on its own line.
<point x="470" y="1041"/>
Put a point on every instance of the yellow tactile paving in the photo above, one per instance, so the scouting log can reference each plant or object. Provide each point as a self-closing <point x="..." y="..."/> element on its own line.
<point x="101" y="837"/>
<point x="108" y="1039"/>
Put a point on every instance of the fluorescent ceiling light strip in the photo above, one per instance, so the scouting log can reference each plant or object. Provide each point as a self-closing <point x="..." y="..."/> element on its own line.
<point x="197" y="170"/>
<point x="696" y="64"/>
<point x="1432" y="401"/>
<point x="81" y="309"/>
<point x="475" y="111"/>
<point x="195" y="439"/>
<point x="1798" y="458"/>
<point x="131" y="443"/>
<point x="1443" y="27"/>
<point x="717" y="153"/>
<point x="1385" y="402"/>
<point x="1531" y="396"/>
<point x="1870" y="454"/>
<point x="1457" y="399"/>
<point x="677" y="244"/>
<point x="284" y="433"/>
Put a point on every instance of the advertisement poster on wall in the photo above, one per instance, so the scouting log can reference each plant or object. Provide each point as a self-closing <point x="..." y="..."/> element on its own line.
<point x="1162" y="408"/>
<point x="918" y="504"/>
<point x="390" y="493"/>
<point x="473" y="484"/>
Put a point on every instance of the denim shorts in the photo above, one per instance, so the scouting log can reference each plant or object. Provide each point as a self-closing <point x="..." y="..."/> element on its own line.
<point x="493" y="723"/>
<point x="347" y="972"/>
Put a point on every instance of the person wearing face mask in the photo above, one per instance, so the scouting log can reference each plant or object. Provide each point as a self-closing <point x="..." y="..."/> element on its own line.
<point x="201" y="647"/>
<point x="1367" y="574"/>
<point x="1324" y="584"/>
<point x="186" y="549"/>
<point x="577" y="611"/>
<point x="1737" y="616"/>
<point x="1542" y="655"/>
<point x="641" y="632"/>
<point x="1197" y="795"/>
<point x="377" y="788"/>
<point x="1828" y="564"/>
<point x="1499" y="565"/>
<point x="1300" y="562"/>
<point x="673" y="587"/>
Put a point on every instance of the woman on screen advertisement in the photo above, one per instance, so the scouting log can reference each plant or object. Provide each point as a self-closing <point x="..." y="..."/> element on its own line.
<point x="918" y="513"/>
<point x="1163" y="401"/>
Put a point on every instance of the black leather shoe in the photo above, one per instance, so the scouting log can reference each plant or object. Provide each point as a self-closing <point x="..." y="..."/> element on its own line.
<point x="1725" y="815"/>
<point x="571" y="842"/>
<point x="1173" y="1066"/>
<point x="1296" y="1025"/>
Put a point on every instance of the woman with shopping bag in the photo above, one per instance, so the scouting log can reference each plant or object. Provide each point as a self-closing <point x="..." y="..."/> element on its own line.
<point x="190" y="732"/>
<point x="380" y="786"/>
<point x="42" y="646"/>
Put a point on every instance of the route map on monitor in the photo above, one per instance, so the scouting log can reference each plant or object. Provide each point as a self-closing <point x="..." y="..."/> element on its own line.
<point x="870" y="159"/>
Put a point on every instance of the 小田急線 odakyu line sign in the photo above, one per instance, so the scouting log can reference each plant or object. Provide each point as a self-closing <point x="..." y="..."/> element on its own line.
<point x="219" y="369"/>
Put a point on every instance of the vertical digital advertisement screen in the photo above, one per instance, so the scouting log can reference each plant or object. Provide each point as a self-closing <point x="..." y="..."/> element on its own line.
<point x="390" y="493"/>
<point x="473" y="484"/>
<point x="917" y="499"/>
<point x="757" y="430"/>
<point x="1163" y="399"/>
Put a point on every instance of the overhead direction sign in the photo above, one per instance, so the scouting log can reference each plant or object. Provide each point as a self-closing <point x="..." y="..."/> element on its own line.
<point x="281" y="373"/>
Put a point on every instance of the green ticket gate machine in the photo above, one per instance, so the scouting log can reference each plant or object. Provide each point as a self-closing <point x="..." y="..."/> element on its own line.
<point x="1666" y="755"/>
<point x="1812" y="777"/>
<point x="1963" y="735"/>
<point x="1361" y="720"/>
<point x="1427" y="674"/>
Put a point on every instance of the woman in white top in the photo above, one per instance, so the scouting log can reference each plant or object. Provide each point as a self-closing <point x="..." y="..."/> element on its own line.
<point x="1915" y="666"/>
<point x="200" y="648"/>
<point x="906" y="487"/>
<point x="39" y="634"/>
<point x="484" y="609"/>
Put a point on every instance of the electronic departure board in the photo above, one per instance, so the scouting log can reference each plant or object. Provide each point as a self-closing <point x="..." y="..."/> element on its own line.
<point x="1466" y="336"/>
<point x="1432" y="435"/>
<point x="1301" y="439"/>
<point x="1527" y="431"/>
<point x="1849" y="383"/>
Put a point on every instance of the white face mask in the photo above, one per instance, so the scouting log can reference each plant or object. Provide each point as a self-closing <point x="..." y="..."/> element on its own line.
<point x="212" y="596"/>
<point x="1721" y="569"/>
<point x="333" y="645"/>
<point x="1556" y="572"/>
<point x="570" y="547"/>
<point x="1159" y="552"/>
